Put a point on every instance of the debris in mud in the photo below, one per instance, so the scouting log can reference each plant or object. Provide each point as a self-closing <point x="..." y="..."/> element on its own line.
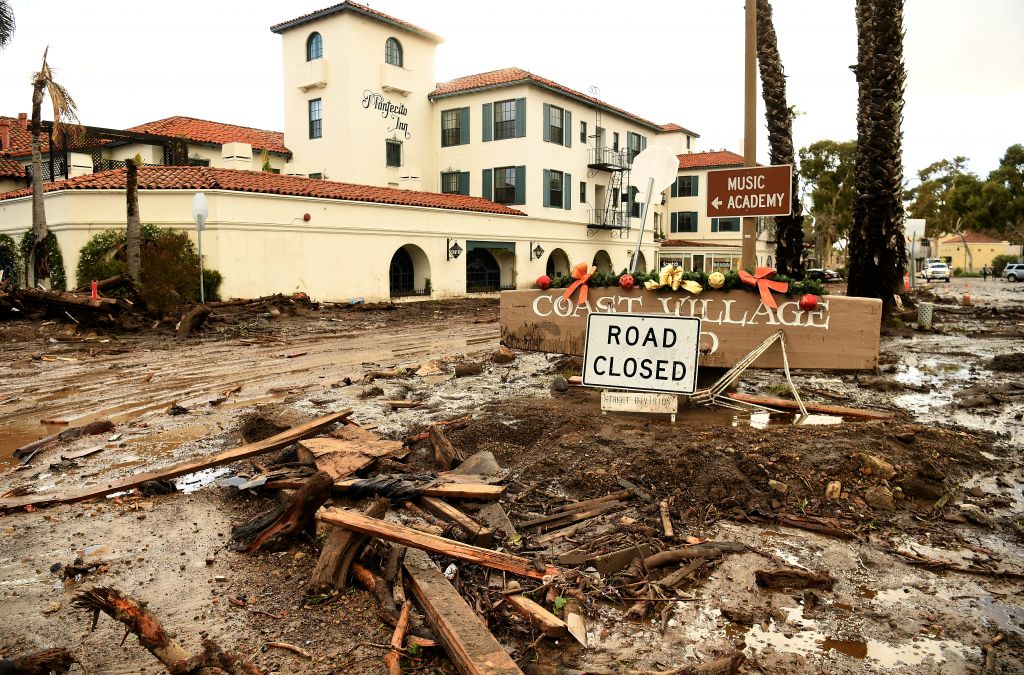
<point x="1007" y="363"/>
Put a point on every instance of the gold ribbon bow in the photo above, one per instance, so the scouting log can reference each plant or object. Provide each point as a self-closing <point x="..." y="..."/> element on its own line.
<point x="581" y="273"/>
<point x="760" y="278"/>
<point x="672" y="276"/>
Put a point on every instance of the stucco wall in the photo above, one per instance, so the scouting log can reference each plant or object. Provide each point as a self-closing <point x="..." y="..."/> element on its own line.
<point x="981" y="254"/>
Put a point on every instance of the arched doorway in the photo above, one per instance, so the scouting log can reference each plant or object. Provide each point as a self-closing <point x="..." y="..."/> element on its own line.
<point x="409" y="273"/>
<point x="558" y="263"/>
<point x="641" y="262"/>
<point x="483" y="274"/>
<point x="603" y="261"/>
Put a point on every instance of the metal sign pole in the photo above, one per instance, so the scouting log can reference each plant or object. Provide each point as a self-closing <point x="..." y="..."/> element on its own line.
<point x="643" y="221"/>
<point x="202" y="291"/>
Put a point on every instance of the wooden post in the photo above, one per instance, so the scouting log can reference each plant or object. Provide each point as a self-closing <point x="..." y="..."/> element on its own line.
<point x="749" y="250"/>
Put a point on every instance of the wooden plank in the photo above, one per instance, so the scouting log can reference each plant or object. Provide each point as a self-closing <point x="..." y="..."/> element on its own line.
<point x="789" y="404"/>
<point x="469" y="644"/>
<point x="842" y="334"/>
<point x="482" y="536"/>
<point x="542" y="619"/>
<point x="584" y="505"/>
<point x="565" y="517"/>
<point x="281" y="440"/>
<point x="452" y="490"/>
<point x="352" y="520"/>
<point x="348" y="450"/>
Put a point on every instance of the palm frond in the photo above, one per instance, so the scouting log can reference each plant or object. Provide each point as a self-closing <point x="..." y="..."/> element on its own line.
<point x="6" y="23"/>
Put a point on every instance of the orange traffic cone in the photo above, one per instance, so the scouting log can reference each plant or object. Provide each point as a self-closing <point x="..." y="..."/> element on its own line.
<point x="967" y="296"/>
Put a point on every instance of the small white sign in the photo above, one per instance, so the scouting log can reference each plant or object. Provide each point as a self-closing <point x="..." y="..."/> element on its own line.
<point x="639" y="402"/>
<point x="641" y="352"/>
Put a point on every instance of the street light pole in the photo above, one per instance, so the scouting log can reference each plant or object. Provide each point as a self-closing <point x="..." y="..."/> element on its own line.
<point x="749" y="249"/>
<point x="200" y="211"/>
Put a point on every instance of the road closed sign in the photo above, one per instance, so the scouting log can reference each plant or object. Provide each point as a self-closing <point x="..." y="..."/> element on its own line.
<point x="641" y="352"/>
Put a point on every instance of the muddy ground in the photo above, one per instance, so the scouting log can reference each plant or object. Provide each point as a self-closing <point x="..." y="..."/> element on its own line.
<point x="951" y="490"/>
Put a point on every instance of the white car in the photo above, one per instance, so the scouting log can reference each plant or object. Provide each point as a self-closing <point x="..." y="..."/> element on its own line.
<point x="935" y="271"/>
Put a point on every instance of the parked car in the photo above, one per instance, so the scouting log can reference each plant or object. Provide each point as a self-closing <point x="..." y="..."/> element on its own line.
<point x="935" y="271"/>
<point x="1014" y="272"/>
<point x="819" y="274"/>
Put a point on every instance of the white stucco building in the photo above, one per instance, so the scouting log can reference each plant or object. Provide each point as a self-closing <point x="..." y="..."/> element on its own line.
<point x="392" y="184"/>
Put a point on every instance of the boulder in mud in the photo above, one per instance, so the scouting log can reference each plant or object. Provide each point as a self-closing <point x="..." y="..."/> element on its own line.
<point x="876" y="466"/>
<point x="881" y="498"/>
<point x="468" y="368"/>
<point x="503" y="355"/>
<point x="833" y="490"/>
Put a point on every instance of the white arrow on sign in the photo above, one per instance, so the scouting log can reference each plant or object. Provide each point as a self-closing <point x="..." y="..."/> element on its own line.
<point x="716" y="202"/>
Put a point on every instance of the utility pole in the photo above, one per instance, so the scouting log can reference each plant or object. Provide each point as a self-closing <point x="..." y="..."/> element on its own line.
<point x="750" y="126"/>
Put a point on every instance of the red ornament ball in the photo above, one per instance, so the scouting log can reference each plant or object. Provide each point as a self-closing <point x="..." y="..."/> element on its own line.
<point x="543" y="282"/>
<point x="809" y="302"/>
<point x="627" y="281"/>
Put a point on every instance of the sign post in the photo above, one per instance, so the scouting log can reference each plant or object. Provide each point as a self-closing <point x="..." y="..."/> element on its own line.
<point x="750" y="191"/>
<point x="200" y="211"/>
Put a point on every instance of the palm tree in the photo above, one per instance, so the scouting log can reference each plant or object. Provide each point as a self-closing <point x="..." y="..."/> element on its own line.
<point x="133" y="234"/>
<point x="6" y="23"/>
<point x="878" y="249"/>
<point x="65" y="113"/>
<point x="789" y="229"/>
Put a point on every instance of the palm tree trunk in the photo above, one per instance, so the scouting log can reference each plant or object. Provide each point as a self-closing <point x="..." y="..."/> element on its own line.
<point x="133" y="243"/>
<point x="789" y="229"/>
<point x="40" y="254"/>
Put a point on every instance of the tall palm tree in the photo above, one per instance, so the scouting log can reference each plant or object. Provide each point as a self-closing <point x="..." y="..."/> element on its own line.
<point x="878" y="250"/>
<point x="6" y="23"/>
<point x="65" y="113"/>
<point x="789" y="229"/>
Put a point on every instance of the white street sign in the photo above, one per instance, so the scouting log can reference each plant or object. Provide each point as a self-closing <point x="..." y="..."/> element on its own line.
<point x="639" y="402"/>
<point x="641" y="352"/>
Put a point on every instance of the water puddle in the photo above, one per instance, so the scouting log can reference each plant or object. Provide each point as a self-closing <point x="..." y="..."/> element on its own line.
<point x="762" y="420"/>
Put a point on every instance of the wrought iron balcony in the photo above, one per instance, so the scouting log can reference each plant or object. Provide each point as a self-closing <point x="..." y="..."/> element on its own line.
<point x="606" y="159"/>
<point x="608" y="219"/>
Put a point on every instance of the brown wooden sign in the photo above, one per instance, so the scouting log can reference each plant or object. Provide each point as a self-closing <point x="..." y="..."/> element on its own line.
<point x="752" y="191"/>
<point x="841" y="334"/>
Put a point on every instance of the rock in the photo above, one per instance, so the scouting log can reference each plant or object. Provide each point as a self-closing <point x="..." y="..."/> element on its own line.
<point x="177" y="410"/>
<point x="371" y="392"/>
<point x="1007" y="363"/>
<point x="51" y="608"/>
<point x="275" y="313"/>
<point x="210" y="560"/>
<point x="905" y="437"/>
<point x="974" y="514"/>
<point x="880" y="497"/>
<point x="37" y="356"/>
<point x="559" y="383"/>
<point x="468" y="368"/>
<point x="432" y="367"/>
<point x="479" y="464"/>
<point x="878" y="467"/>
<point x="778" y="486"/>
<point x="503" y="355"/>
<point x="833" y="490"/>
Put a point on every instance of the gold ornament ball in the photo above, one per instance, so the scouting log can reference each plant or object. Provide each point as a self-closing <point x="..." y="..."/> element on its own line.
<point x="716" y="280"/>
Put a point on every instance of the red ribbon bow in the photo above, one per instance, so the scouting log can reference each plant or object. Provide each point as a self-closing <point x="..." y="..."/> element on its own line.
<point x="581" y="273"/>
<point x="765" y="285"/>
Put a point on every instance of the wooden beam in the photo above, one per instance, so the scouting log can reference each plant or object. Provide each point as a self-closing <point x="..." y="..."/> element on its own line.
<point x="352" y="520"/>
<point x="553" y="520"/>
<point x="581" y="506"/>
<point x="339" y="551"/>
<point x="788" y="404"/>
<point x="482" y="536"/>
<point x="281" y="440"/>
<point x="542" y="619"/>
<point x="469" y="644"/>
<point x="453" y="490"/>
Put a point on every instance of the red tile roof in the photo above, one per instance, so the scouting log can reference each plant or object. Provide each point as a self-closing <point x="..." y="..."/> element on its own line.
<point x="511" y="76"/>
<point x="10" y="168"/>
<point x="206" y="178"/>
<point x="672" y="126"/>
<point x="358" y="9"/>
<point x="973" y="238"/>
<point x="686" y="243"/>
<point x="205" y="131"/>
<point x="711" y="158"/>
<point x="21" y="139"/>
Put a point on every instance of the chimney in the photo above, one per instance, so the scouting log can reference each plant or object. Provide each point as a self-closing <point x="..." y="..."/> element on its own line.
<point x="5" y="135"/>
<point x="23" y="120"/>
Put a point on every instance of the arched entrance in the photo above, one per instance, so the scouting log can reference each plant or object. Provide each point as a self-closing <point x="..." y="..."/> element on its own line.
<point x="558" y="263"/>
<point x="603" y="261"/>
<point x="641" y="262"/>
<point x="409" y="272"/>
<point x="483" y="274"/>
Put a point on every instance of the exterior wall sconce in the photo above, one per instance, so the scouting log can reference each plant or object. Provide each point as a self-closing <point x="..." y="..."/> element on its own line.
<point x="454" y="250"/>
<point x="535" y="251"/>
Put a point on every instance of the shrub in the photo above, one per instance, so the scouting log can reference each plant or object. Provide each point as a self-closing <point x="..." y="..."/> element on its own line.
<point x="58" y="278"/>
<point x="104" y="255"/>
<point x="1000" y="262"/>
<point x="958" y="271"/>
<point x="9" y="257"/>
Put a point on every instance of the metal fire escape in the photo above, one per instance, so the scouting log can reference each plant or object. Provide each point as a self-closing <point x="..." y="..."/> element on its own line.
<point x="614" y="213"/>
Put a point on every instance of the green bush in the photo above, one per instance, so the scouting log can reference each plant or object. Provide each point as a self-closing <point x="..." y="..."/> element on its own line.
<point x="958" y="271"/>
<point x="104" y="256"/>
<point x="10" y="266"/>
<point x="1001" y="261"/>
<point x="58" y="278"/>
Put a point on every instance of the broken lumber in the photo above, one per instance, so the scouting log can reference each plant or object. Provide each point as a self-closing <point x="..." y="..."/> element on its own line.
<point x="339" y="552"/>
<point x="788" y="404"/>
<point x="708" y="549"/>
<point x="542" y="619"/>
<point x="480" y="535"/>
<point x="105" y="284"/>
<point x="154" y="637"/>
<point x="388" y="609"/>
<point x="469" y="644"/>
<point x="590" y="503"/>
<point x="401" y="534"/>
<point x="404" y="403"/>
<point x="666" y="519"/>
<point x="348" y="450"/>
<point x="192" y="320"/>
<point x="673" y="579"/>
<point x="297" y="515"/>
<point x="791" y="577"/>
<point x="445" y="455"/>
<point x="281" y="440"/>
<point x="393" y="659"/>
<point x="557" y="520"/>
<point x="42" y="662"/>
<point x="462" y="489"/>
<point x="27" y="451"/>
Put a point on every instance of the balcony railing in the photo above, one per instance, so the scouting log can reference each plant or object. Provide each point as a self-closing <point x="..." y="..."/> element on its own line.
<point x="607" y="159"/>
<point x="609" y="219"/>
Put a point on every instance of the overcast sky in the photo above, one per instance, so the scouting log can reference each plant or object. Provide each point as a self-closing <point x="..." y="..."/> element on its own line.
<point x="128" y="62"/>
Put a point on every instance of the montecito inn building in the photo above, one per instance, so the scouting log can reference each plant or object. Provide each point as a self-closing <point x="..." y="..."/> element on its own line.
<point x="388" y="184"/>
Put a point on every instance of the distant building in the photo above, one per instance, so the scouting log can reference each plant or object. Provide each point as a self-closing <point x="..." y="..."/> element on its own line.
<point x="972" y="251"/>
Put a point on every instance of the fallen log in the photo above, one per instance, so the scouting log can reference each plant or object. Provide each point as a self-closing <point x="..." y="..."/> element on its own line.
<point x="152" y="636"/>
<point x="339" y="552"/>
<point x="791" y="577"/>
<point x="590" y="503"/>
<point x="674" y="579"/>
<point x="479" y="535"/>
<point x="446" y="456"/>
<point x="542" y="619"/>
<point x="392" y="660"/>
<point x="709" y="549"/>
<point x="105" y="284"/>
<point x="39" y="663"/>
<point x="281" y="440"/>
<point x="27" y="451"/>
<point x="407" y="536"/>
<point x="457" y="423"/>
<point x="192" y="320"/>
<point x="297" y="515"/>
<point x="376" y="585"/>
<point x="469" y="644"/>
<point x="788" y="404"/>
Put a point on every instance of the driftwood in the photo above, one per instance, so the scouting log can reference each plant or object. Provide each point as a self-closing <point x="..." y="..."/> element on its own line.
<point x="26" y="452"/>
<point x="445" y="455"/>
<point x="393" y="659"/>
<point x="153" y="637"/>
<point x="39" y="663"/>
<point x="709" y="549"/>
<point x="457" y="423"/>
<point x="479" y="534"/>
<point x="297" y="515"/>
<point x="105" y="284"/>
<point x="542" y="619"/>
<point x="790" y="577"/>
<point x="339" y="552"/>
<point x="191" y="320"/>
<point x="389" y="610"/>
<point x="788" y="404"/>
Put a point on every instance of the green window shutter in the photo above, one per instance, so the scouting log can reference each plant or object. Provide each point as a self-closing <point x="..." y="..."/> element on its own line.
<point x="520" y="185"/>
<point x="643" y="143"/>
<point x="463" y="126"/>
<point x="675" y="187"/>
<point x="674" y="221"/>
<point x="696" y="181"/>
<point x="547" y="188"/>
<point x="464" y="182"/>
<point x="567" y="129"/>
<point x="488" y="184"/>
<point x="714" y="224"/>
<point x="520" y="117"/>
<point x="488" y="121"/>
<point x="693" y="221"/>
<point x="545" y="121"/>
<point x="567" y="191"/>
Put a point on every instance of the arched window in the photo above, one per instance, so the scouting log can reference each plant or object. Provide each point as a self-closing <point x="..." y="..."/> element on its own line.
<point x="393" y="52"/>
<point x="314" y="47"/>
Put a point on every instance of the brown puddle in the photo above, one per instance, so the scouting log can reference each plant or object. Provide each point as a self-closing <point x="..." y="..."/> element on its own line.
<point x="857" y="650"/>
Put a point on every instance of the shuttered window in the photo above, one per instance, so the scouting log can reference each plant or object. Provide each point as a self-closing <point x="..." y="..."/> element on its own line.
<point x="683" y="221"/>
<point x="504" y="119"/>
